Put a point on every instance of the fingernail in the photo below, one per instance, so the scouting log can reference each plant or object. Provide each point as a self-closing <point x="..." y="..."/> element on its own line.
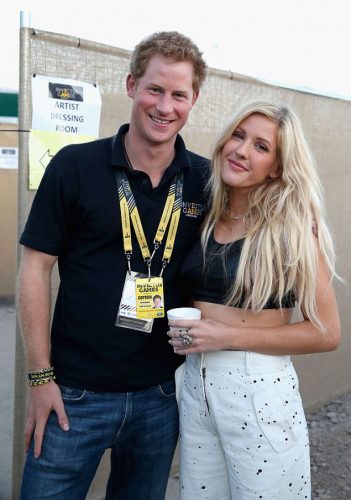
<point x="65" y="427"/>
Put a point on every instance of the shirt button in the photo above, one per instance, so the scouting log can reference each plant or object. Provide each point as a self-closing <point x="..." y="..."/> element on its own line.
<point x="144" y="181"/>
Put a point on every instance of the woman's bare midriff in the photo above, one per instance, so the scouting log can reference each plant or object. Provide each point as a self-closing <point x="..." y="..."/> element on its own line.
<point x="234" y="316"/>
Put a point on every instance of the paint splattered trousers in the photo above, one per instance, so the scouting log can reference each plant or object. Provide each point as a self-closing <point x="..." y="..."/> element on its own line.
<point x="243" y="432"/>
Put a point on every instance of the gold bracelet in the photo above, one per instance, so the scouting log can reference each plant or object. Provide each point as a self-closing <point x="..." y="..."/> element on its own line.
<point x="42" y="370"/>
<point x="41" y="381"/>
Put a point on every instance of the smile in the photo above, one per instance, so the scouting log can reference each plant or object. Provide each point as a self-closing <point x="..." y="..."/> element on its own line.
<point x="237" y="165"/>
<point x="160" y="122"/>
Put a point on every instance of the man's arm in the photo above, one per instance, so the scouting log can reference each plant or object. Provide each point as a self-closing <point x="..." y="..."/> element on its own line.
<point x="34" y="291"/>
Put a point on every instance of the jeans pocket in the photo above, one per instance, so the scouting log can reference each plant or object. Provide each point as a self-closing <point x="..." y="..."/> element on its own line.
<point x="273" y="419"/>
<point x="72" y="394"/>
<point x="167" y="389"/>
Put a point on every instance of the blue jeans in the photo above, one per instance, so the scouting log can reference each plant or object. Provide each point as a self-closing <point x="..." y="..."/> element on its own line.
<point x="141" y="428"/>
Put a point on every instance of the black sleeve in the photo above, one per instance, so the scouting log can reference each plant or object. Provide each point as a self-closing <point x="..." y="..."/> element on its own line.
<point x="47" y="227"/>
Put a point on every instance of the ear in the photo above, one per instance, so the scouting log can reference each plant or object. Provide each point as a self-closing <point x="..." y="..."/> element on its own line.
<point x="195" y="96"/>
<point x="275" y="172"/>
<point x="131" y="85"/>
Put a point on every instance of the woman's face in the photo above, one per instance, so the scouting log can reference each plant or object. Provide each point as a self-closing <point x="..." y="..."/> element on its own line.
<point x="249" y="158"/>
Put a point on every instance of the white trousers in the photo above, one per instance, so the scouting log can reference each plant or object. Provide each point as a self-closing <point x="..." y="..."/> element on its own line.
<point x="243" y="432"/>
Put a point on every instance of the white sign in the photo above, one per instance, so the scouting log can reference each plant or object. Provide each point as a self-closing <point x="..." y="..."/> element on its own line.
<point x="8" y="157"/>
<point x="65" y="106"/>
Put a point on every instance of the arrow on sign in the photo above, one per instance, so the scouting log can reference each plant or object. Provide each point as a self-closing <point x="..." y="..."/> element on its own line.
<point x="45" y="159"/>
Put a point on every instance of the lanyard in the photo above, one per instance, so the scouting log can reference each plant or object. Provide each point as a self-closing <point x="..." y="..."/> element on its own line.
<point x="129" y="211"/>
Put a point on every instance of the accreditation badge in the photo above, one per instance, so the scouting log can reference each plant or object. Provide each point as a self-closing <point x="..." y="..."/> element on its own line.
<point x="127" y="311"/>
<point x="149" y="297"/>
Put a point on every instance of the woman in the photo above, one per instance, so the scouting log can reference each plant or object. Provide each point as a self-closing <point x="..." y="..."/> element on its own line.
<point x="265" y="248"/>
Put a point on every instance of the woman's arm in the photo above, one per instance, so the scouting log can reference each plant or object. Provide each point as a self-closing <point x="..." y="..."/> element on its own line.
<point x="296" y="338"/>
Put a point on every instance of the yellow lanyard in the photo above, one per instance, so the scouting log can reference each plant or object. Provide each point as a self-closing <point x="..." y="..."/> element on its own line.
<point x="129" y="211"/>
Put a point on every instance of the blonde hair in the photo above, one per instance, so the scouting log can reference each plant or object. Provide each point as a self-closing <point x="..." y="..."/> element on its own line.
<point x="280" y="251"/>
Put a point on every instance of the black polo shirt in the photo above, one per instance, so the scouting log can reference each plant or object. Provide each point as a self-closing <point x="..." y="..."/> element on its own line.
<point x="76" y="216"/>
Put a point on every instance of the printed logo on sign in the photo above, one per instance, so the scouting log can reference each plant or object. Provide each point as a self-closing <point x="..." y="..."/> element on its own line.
<point x="65" y="92"/>
<point x="192" y="209"/>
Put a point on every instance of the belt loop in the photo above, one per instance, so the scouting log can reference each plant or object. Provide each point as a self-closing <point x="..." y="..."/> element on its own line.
<point x="247" y="362"/>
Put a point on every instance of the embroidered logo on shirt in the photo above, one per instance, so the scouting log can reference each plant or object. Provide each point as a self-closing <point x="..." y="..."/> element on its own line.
<point x="191" y="209"/>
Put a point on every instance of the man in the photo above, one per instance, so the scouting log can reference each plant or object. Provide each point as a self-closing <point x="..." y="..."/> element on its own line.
<point x="107" y="379"/>
<point x="157" y="300"/>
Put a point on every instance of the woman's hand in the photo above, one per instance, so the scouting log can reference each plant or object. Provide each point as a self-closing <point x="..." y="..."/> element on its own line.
<point x="190" y="336"/>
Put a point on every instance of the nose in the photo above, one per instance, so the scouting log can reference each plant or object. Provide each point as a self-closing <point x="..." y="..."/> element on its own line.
<point x="242" y="149"/>
<point x="164" y="104"/>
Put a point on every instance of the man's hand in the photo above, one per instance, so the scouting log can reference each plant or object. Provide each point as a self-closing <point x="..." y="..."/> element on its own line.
<point x="42" y="400"/>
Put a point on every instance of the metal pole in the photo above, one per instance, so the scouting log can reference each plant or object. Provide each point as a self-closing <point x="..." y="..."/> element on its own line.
<point x="25" y="19"/>
<point x="23" y="203"/>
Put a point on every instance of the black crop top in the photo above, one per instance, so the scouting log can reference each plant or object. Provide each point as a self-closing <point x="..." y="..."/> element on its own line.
<point x="212" y="283"/>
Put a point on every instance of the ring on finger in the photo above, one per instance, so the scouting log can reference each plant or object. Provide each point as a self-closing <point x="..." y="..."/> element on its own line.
<point x="187" y="340"/>
<point x="182" y="332"/>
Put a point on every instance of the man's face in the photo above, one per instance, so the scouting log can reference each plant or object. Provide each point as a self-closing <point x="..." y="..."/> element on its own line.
<point x="162" y="100"/>
<point x="157" y="302"/>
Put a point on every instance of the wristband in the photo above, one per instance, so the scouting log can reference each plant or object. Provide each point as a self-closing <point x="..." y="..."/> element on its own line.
<point x="40" y="377"/>
<point x="41" y="381"/>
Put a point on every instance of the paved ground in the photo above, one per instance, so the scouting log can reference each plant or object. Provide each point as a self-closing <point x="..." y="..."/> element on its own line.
<point x="7" y="353"/>
<point x="330" y="437"/>
<point x="330" y="430"/>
